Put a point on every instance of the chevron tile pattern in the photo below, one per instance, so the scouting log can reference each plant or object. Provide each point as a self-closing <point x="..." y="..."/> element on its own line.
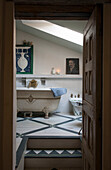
<point x="53" y="153"/>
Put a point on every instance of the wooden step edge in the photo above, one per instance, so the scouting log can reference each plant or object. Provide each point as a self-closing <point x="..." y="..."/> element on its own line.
<point x="53" y="137"/>
<point x="49" y="156"/>
<point x="55" y="148"/>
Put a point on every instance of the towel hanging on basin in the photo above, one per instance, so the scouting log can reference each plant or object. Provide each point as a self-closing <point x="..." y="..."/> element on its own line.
<point x="58" y="91"/>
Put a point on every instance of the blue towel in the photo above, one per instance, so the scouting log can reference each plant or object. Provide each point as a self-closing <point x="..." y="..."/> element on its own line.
<point x="58" y="91"/>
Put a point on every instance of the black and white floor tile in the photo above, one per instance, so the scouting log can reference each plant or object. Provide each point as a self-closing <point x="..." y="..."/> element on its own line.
<point x="53" y="153"/>
<point x="58" y="124"/>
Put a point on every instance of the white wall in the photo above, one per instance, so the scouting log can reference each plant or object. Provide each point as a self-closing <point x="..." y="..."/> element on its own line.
<point x="48" y="55"/>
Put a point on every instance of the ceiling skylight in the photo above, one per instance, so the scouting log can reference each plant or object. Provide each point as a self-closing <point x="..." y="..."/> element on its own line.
<point x="56" y="30"/>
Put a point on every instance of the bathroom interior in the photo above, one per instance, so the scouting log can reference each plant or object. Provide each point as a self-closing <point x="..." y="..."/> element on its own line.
<point x="49" y="96"/>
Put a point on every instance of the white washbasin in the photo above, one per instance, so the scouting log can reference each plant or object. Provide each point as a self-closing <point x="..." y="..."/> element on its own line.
<point x="77" y="105"/>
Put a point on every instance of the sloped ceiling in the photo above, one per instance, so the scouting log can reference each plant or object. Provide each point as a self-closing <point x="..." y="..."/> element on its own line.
<point x="73" y="25"/>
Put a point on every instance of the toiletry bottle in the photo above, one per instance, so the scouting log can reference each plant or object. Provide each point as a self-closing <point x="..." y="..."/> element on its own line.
<point x="78" y="95"/>
<point x="71" y="96"/>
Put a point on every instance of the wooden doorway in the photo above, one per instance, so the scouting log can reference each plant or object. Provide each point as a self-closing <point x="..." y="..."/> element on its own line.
<point x="72" y="17"/>
<point x="92" y="95"/>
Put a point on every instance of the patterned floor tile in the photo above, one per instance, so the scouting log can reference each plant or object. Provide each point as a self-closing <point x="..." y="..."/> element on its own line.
<point x="59" y="151"/>
<point x="53" y="153"/>
<point x="37" y="151"/>
<point x="58" y="124"/>
<point x="28" y="151"/>
<point x="27" y="126"/>
<point x="51" y="132"/>
<point x="70" y="151"/>
<point x="73" y="126"/>
<point x="54" y="119"/>
<point x="19" y="118"/>
<point x="48" y="151"/>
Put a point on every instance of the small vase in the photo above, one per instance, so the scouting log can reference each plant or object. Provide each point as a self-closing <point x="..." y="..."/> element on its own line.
<point x="53" y="71"/>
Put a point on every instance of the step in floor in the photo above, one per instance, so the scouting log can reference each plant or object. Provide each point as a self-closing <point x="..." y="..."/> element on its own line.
<point x="53" y="159"/>
<point x="51" y="143"/>
<point x="49" y="152"/>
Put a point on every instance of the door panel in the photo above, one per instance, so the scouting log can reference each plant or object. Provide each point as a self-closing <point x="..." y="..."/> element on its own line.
<point x="92" y="57"/>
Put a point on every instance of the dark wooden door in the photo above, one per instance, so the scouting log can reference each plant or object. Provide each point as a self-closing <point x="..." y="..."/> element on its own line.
<point x="92" y="96"/>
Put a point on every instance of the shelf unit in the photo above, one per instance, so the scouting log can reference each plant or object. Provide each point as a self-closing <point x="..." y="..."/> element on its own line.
<point x="30" y="76"/>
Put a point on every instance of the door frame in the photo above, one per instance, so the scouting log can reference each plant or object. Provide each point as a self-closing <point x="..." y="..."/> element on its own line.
<point x="8" y="87"/>
<point x="106" y="79"/>
<point x="106" y="117"/>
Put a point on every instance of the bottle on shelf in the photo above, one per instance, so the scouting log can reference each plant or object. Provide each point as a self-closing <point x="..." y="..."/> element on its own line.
<point x="52" y="71"/>
<point x="78" y="95"/>
<point x="71" y="96"/>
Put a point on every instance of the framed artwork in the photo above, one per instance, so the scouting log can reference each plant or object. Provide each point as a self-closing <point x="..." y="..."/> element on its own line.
<point x="72" y="65"/>
<point x="24" y="59"/>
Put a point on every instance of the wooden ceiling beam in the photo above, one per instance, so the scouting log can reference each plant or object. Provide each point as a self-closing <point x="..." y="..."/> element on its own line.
<point x="48" y="8"/>
<point x="52" y="16"/>
<point x="61" y="2"/>
<point x="53" y="12"/>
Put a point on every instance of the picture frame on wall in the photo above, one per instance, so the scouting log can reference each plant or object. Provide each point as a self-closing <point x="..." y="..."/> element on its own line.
<point x="72" y="65"/>
<point x="24" y="59"/>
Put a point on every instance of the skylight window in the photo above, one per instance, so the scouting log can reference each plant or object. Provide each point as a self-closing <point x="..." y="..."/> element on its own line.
<point x="56" y="30"/>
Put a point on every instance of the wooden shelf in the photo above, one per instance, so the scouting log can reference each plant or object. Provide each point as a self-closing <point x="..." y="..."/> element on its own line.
<point x="27" y="76"/>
